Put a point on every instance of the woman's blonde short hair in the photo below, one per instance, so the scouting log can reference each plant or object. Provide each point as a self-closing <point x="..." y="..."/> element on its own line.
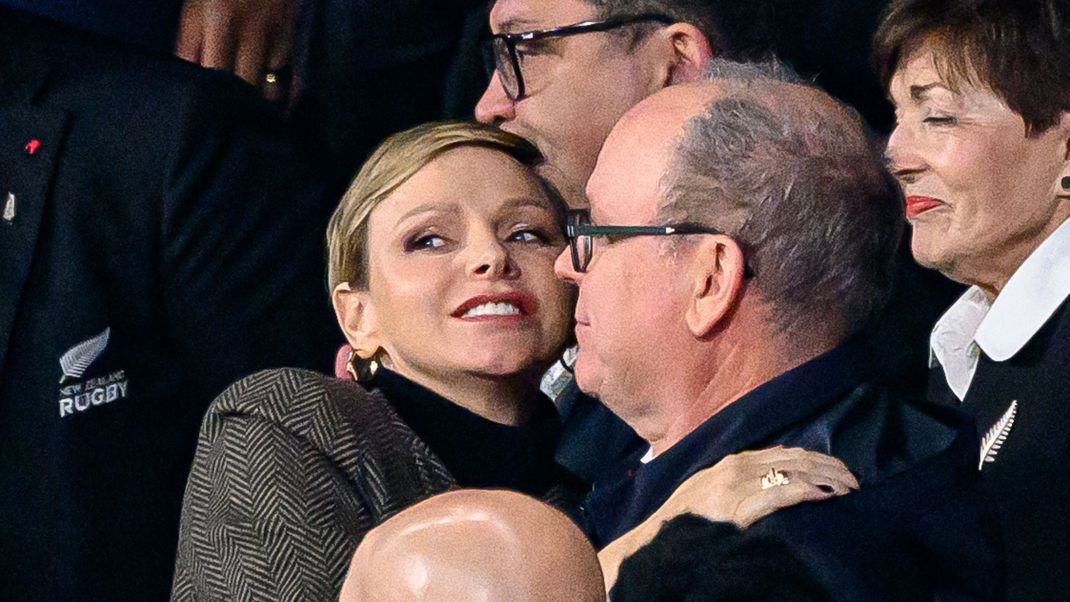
<point x="396" y="160"/>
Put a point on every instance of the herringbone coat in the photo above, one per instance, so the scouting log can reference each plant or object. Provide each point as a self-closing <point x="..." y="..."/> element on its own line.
<point x="292" y="468"/>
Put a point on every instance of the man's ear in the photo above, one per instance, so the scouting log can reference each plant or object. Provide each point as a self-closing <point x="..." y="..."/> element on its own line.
<point x="691" y="52"/>
<point x="716" y="279"/>
<point x="1062" y="191"/>
<point x="356" y="317"/>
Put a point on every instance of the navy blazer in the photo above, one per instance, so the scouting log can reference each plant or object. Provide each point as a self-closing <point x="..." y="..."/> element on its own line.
<point x="159" y="239"/>
<point x="918" y="527"/>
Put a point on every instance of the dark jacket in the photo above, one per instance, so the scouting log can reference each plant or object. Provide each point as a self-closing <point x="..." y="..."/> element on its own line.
<point x="371" y="69"/>
<point x="738" y="566"/>
<point x="292" y="469"/>
<point x="160" y="218"/>
<point x="918" y="526"/>
<point x="1027" y="475"/>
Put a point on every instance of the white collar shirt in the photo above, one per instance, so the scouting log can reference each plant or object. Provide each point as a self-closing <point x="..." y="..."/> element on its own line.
<point x="1003" y="327"/>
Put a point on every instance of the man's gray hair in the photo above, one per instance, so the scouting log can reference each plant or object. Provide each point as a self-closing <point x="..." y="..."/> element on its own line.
<point x="768" y="71"/>
<point x="799" y="184"/>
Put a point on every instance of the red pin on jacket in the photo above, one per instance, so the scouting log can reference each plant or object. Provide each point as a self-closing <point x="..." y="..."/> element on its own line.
<point x="32" y="146"/>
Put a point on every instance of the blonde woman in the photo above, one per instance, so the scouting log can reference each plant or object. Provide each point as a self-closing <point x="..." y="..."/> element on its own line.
<point x="441" y="270"/>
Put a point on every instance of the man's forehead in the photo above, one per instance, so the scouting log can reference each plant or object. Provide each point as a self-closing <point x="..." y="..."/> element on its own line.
<point x="625" y="185"/>
<point x="511" y="16"/>
<point x="627" y="179"/>
<point x="652" y="127"/>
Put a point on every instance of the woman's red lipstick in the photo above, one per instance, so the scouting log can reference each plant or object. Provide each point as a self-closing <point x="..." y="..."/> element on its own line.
<point x="916" y="205"/>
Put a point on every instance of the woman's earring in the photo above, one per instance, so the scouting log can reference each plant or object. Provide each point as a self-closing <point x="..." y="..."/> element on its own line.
<point x="350" y="370"/>
<point x="1065" y="183"/>
<point x="360" y="371"/>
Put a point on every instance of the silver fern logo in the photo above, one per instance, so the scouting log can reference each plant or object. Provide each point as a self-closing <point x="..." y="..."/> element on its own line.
<point x="75" y="362"/>
<point x="996" y="436"/>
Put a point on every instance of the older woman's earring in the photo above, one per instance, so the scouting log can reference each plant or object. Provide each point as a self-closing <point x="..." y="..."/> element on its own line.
<point x="360" y="370"/>
<point x="1064" y="184"/>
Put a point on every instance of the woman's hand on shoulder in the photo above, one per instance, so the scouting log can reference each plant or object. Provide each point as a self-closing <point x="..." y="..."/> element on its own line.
<point x="750" y="485"/>
<point x="741" y="489"/>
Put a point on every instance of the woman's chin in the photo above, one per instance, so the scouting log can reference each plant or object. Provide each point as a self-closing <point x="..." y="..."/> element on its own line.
<point x="505" y="364"/>
<point x="928" y="251"/>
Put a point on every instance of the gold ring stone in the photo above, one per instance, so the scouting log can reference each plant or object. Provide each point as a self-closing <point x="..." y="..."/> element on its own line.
<point x="774" y="478"/>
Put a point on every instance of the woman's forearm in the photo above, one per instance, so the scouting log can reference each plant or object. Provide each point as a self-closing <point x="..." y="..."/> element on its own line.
<point x="611" y="556"/>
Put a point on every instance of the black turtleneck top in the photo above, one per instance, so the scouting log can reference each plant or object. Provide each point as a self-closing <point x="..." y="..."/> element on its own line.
<point x="478" y="452"/>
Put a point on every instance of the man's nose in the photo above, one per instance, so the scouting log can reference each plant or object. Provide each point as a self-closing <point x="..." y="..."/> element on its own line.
<point x="564" y="269"/>
<point x="495" y="106"/>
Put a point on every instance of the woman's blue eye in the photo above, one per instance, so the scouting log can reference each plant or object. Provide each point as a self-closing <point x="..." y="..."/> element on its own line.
<point x="427" y="241"/>
<point x="527" y="236"/>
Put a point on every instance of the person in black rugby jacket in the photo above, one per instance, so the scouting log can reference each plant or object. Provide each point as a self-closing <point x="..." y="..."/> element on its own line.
<point x="159" y="238"/>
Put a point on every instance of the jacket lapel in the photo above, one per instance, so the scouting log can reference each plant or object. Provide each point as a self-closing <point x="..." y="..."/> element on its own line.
<point x="30" y="138"/>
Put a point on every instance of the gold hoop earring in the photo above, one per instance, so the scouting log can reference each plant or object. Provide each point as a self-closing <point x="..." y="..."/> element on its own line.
<point x="349" y="365"/>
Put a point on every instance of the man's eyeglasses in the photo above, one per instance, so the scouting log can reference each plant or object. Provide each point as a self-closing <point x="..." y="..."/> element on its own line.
<point x="580" y="232"/>
<point x="501" y="54"/>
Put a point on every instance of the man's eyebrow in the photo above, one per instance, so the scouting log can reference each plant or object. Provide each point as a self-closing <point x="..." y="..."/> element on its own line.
<point x="516" y="25"/>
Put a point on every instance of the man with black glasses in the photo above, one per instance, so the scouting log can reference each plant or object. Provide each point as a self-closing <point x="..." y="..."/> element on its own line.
<point x="741" y="231"/>
<point x="566" y="70"/>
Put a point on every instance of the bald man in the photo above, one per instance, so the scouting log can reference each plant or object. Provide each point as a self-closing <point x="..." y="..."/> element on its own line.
<point x="475" y="545"/>
<point x="744" y="230"/>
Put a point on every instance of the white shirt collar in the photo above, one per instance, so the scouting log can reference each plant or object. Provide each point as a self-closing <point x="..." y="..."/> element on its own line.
<point x="1002" y="328"/>
<point x="557" y="378"/>
<point x="952" y="341"/>
<point x="648" y="457"/>
<point x="1033" y="294"/>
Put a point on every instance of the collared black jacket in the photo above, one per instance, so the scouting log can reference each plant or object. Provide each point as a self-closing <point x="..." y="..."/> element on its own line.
<point x="918" y="527"/>
<point x="159" y="217"/>
<point x="1026" y="469"/>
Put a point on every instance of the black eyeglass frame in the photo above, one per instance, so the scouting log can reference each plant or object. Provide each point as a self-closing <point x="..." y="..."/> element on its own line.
<point x="579" y="225"/>
<point x="491" y="56"/>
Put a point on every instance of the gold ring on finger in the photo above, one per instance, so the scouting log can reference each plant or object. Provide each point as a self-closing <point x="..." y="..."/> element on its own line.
<point x="276" y="76"/>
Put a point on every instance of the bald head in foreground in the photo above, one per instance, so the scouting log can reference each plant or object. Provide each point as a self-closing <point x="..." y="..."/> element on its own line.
<point x="475" y="545"/>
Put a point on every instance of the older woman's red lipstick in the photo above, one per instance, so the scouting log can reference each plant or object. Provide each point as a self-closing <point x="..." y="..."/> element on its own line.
<point x="916" y="205"/>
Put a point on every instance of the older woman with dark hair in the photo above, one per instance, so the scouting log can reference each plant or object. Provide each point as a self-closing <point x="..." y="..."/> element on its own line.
<point x="982" y="150"/>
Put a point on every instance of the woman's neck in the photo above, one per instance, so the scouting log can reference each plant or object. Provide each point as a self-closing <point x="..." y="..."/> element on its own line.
<point x="506" y="400"/>
<point x="996" y="272"/>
